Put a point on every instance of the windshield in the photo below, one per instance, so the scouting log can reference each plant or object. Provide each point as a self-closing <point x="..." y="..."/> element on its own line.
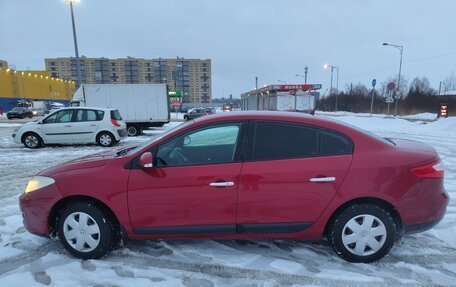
<point x="16" y="109"/>
<point x="135" y="149"/>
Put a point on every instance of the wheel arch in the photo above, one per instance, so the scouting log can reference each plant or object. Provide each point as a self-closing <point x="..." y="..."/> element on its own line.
<point x="368" y="200"/>
<point x="104" y="131"/>
<point x="24" y="134"/>
<point x="58" y="207"/>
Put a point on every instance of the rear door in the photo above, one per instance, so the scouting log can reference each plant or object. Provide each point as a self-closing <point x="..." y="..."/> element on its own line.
<point x="86" y="124"/>
<point x="290" y="175"/>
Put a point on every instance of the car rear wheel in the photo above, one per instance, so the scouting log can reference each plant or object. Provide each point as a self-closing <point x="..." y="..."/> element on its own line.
<point x="32" y="140"/>
<point x="106" y="139"/>
<point x="186" y="118"/>
<point x="362" y="233"/>
<point x="86" y="231"/>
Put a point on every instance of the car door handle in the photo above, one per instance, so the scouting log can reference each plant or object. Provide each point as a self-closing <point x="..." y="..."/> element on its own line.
<point x="323" y="179"/>
<point x="93" y="125"/>
<point x="222" y="184"/>
<point x="67" y="126"/>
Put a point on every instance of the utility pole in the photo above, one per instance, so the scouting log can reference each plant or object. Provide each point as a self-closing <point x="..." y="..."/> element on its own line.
<point x="79" y="82"/>
<point x="306" y="69"/>
<point x="256" y="93"/>
<point x="400" y="48"/>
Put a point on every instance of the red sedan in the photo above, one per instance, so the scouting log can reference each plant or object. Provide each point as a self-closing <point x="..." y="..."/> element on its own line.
<point x="244" y="175"/>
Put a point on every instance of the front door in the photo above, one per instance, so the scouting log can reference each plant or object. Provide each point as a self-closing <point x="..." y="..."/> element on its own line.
<point x="193" y="187"/>
<point x="57" y="128"/>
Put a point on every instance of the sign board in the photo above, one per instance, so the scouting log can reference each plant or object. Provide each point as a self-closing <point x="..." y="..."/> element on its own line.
<point x="391" y="86"/>
<point x="175" y="93"/>
<point x="374" y="82"/>
<point x="389" y="100"/>
<point x="443" y="111"/>
<point x="176" y="104"/>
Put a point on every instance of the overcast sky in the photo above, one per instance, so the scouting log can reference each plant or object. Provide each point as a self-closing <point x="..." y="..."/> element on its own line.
<point x="273" y="40"/>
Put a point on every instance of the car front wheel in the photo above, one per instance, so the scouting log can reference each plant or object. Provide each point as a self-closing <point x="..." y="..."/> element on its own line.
<point x="32" y="140"/>
<point x="86" y="231"/>
<point x="362" y="233"/>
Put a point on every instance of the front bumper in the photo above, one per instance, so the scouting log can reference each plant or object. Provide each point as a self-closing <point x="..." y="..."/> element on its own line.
<point x="36" y="207"/>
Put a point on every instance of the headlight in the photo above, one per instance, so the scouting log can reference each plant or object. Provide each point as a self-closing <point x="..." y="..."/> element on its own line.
<point x="38" y="182"/>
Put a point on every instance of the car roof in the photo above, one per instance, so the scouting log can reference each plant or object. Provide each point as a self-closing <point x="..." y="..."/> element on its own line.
<point x="87" y="108"/>
<point x="302" y="118"/>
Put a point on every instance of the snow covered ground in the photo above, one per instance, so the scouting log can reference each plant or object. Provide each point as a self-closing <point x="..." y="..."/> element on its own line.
<point x="426" y="259"/>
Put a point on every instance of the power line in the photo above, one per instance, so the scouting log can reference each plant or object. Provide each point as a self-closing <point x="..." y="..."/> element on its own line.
<point x="405" y="62"/>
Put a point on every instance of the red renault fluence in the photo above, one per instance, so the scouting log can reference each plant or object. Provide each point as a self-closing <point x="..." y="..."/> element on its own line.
<point x="255" y="175"/>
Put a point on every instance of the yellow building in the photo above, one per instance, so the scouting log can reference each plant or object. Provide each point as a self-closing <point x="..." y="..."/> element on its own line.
<point x="32" y="86"/>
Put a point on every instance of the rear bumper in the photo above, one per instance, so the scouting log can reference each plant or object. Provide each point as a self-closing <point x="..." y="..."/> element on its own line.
<point x="417" y="228"/>
<point x="122" y="133"/>
<point x="426" y="208"/>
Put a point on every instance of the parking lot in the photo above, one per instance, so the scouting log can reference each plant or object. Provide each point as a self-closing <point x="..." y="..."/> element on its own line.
<point x="419" y="260"/>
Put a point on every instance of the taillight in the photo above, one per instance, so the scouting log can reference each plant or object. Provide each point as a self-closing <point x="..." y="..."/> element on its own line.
<point x="432" y="170"/>
<point x="115" y="123"/>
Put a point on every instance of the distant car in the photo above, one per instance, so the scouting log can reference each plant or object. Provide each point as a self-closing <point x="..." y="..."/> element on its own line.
<point x="245" y="175"/>
<point x="73" y="126"/>
<point x="38" y="112"/>
<point x="195" y="113"/>
<point x="19" y="113"/>
<point x="227" y="108"/>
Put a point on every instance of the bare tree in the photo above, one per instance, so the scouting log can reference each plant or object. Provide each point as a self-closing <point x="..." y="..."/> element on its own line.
<point x="421" y="86"/>
<point x="450" y="83"/>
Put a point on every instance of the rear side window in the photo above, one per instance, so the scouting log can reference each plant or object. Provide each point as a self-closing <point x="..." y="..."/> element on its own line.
<point x="334" y="144"/>
<point x="88" y="116"/>
<point x="281" y="141"/>
<point x="115" y="115"/>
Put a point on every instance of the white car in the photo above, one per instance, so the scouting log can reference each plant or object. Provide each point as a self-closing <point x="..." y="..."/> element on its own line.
<point x="73" y="126"/>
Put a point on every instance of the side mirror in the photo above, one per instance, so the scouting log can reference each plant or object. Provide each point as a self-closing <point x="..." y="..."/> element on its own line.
<point x="187" y="140"/>
<point x="146" y="160"/>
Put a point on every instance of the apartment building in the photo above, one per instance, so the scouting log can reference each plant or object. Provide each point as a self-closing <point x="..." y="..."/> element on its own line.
<point x="191" y="76"/>
<point x="3" y="64"/>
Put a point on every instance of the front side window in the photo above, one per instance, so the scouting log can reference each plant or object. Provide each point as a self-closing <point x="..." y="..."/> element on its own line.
<point x="50" y="119"/>
<point x="216" y="144"/>
<point x="64" y="116"/>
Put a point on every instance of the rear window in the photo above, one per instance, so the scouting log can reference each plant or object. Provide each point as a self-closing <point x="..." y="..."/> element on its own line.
<point x="334" y="144"/>
<point x="115" y="115"/>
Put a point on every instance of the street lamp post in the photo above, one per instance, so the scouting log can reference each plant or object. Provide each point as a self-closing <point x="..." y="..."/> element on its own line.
<point x="79" y="82"/>
<point x="337" y="81"/>
<point x="400" y="48"/>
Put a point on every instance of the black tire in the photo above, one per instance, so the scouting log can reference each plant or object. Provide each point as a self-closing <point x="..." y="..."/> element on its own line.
<point x="106" y="139"/>
<point x="186" y="118"/>
<point x="133" y="131"/>
<point x="106" y="237"/>
<point x="383" y="222"/>
<point x="32" y="140"/>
